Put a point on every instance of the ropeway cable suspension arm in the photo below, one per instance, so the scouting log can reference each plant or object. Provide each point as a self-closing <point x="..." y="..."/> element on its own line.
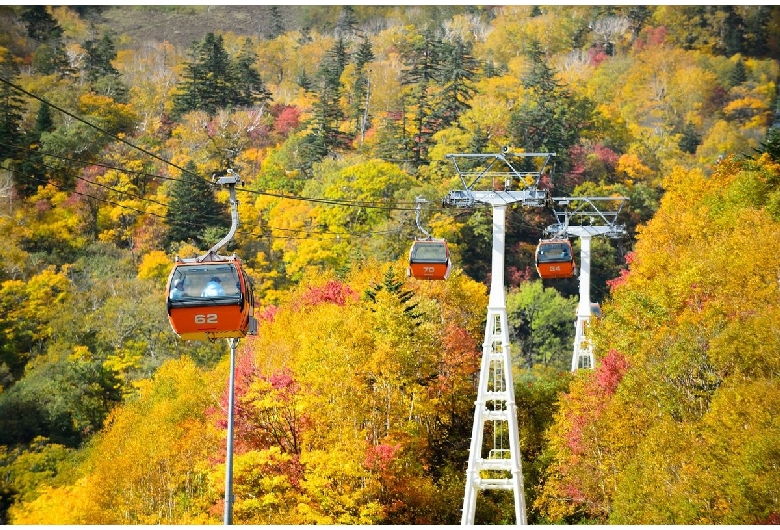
<point x="231" y="179"/>
<point x="420" y="201"/>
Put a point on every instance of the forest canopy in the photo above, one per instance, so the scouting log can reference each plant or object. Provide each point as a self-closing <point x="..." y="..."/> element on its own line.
<point x="355" y="398"/>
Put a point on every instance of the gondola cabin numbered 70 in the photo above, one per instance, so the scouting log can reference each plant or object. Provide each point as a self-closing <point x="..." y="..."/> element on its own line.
<point x="429" y="259"/>
<point x="210" y="300"/>
<point x="555" y="259"/>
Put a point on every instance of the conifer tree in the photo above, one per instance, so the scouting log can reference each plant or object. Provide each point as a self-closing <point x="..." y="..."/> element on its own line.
<point x="734" y="31"/>
<point x="30" y="170"/>
<point x="304" y="81"/>
<point x="739" y="74"/>
<point x="328" y="114"/>
<point x="11" y="111"/>
<point x="391" y="284"/>
<point x="347" y="22"/>
<point x="771" y="144"/>
<point x="757" y="32"/>
<point x="457" y="74"/>
<point x="214" y="81"/>
<point x="364" y="53"/>
<point x="361" y="91"/>
<point x="49" y="57"/>
<point x="100" y="53"/>
<point x="193" y="209"/>
<point x="392" y="143"/>
<point x="551" y="119"/>
<point x="337" y="58"/>
<point x="277" y="24"/>
<point x="207" y="79"/>
<point x="690" y="139"/>
<point x="101" y="74"/>
<point x="40" y="25"/>
<point x="250" y="86"/>
<point x="422" y="65"/>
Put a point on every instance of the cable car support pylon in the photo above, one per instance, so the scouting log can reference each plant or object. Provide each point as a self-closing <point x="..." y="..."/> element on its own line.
<point x="597" y="216"/>
<point x="495" y="412"/>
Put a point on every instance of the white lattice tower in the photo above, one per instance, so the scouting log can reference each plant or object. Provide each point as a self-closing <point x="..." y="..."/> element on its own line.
<point x="499" y="467"/>
<point x="597" y="216"/>
<point x="583" y="349"/>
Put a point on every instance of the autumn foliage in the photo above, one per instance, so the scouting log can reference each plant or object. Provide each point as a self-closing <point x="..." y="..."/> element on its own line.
<point x="355" y="399"/>
<point x="652" y="435"/>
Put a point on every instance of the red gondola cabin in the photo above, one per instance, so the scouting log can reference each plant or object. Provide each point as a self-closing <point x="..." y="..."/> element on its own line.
<point x="429" y="259"/>
<point x="210" y="298"/>
<point x="555" y="259"/>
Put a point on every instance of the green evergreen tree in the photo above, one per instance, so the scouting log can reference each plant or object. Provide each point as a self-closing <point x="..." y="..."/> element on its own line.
<point x="193" y="210"/>
<point x="277" y="24"/>
<point x="364" y="53"/>
<point x="251" y="88"/>
<point x="551" y="119"/>
<point x="757" y="33"/>
<point x="347" y="22"/>
<point x="422" y="64"/>
<point x="30" y="171"/>
<point x="101" y="74"/>
<point x="771" y="144"/>
<point x="43" y="120"/>
<point x="325" y="136"/>
<point x="209" y="79"/>
<point x="214" y="81"/>
<point x="337" y="58"/>
<point x="735" y="29"/>
<point x="479" y="141"/>
<point x="100" y="53"/>
<point x="11" y="112"/>
<point x="739" y="74"/>
<point x="393" y="285"/>
<point x="489" y="69"/>
<point x="690" y="139"/>
<point x="458" y="71"/>
<point x="304" y="81"/>
<point x="392" y="142"/>
<point x="360" y="94"/>
<point x="40" y="25"/>
<point x="49" y="57"/>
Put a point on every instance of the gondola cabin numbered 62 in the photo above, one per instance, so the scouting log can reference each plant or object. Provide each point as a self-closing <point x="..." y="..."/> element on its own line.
<point x="210" y="299"/>
<point x="429" y="259"/>
<point x="555" y="259"/>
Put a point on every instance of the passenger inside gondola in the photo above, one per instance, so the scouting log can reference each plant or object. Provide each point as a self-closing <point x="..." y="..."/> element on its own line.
<point x="213" y="288"/>
<point x="178" y="290"/>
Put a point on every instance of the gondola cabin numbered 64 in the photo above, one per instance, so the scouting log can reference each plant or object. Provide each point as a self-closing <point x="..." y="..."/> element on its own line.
<point x="210" y="299"/>
<point x="555" y="259"/>
<point x="429" y="259"/>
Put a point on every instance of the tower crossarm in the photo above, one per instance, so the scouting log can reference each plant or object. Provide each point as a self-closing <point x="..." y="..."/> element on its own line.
<point x="498" y="178"/>
<point x="595" y="216"/>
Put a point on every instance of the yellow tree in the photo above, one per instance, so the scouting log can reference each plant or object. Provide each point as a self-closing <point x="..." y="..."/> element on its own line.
<point x="379" y="382"/>
<point x="146" y="467"/>
<point x="699" y="352"/>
